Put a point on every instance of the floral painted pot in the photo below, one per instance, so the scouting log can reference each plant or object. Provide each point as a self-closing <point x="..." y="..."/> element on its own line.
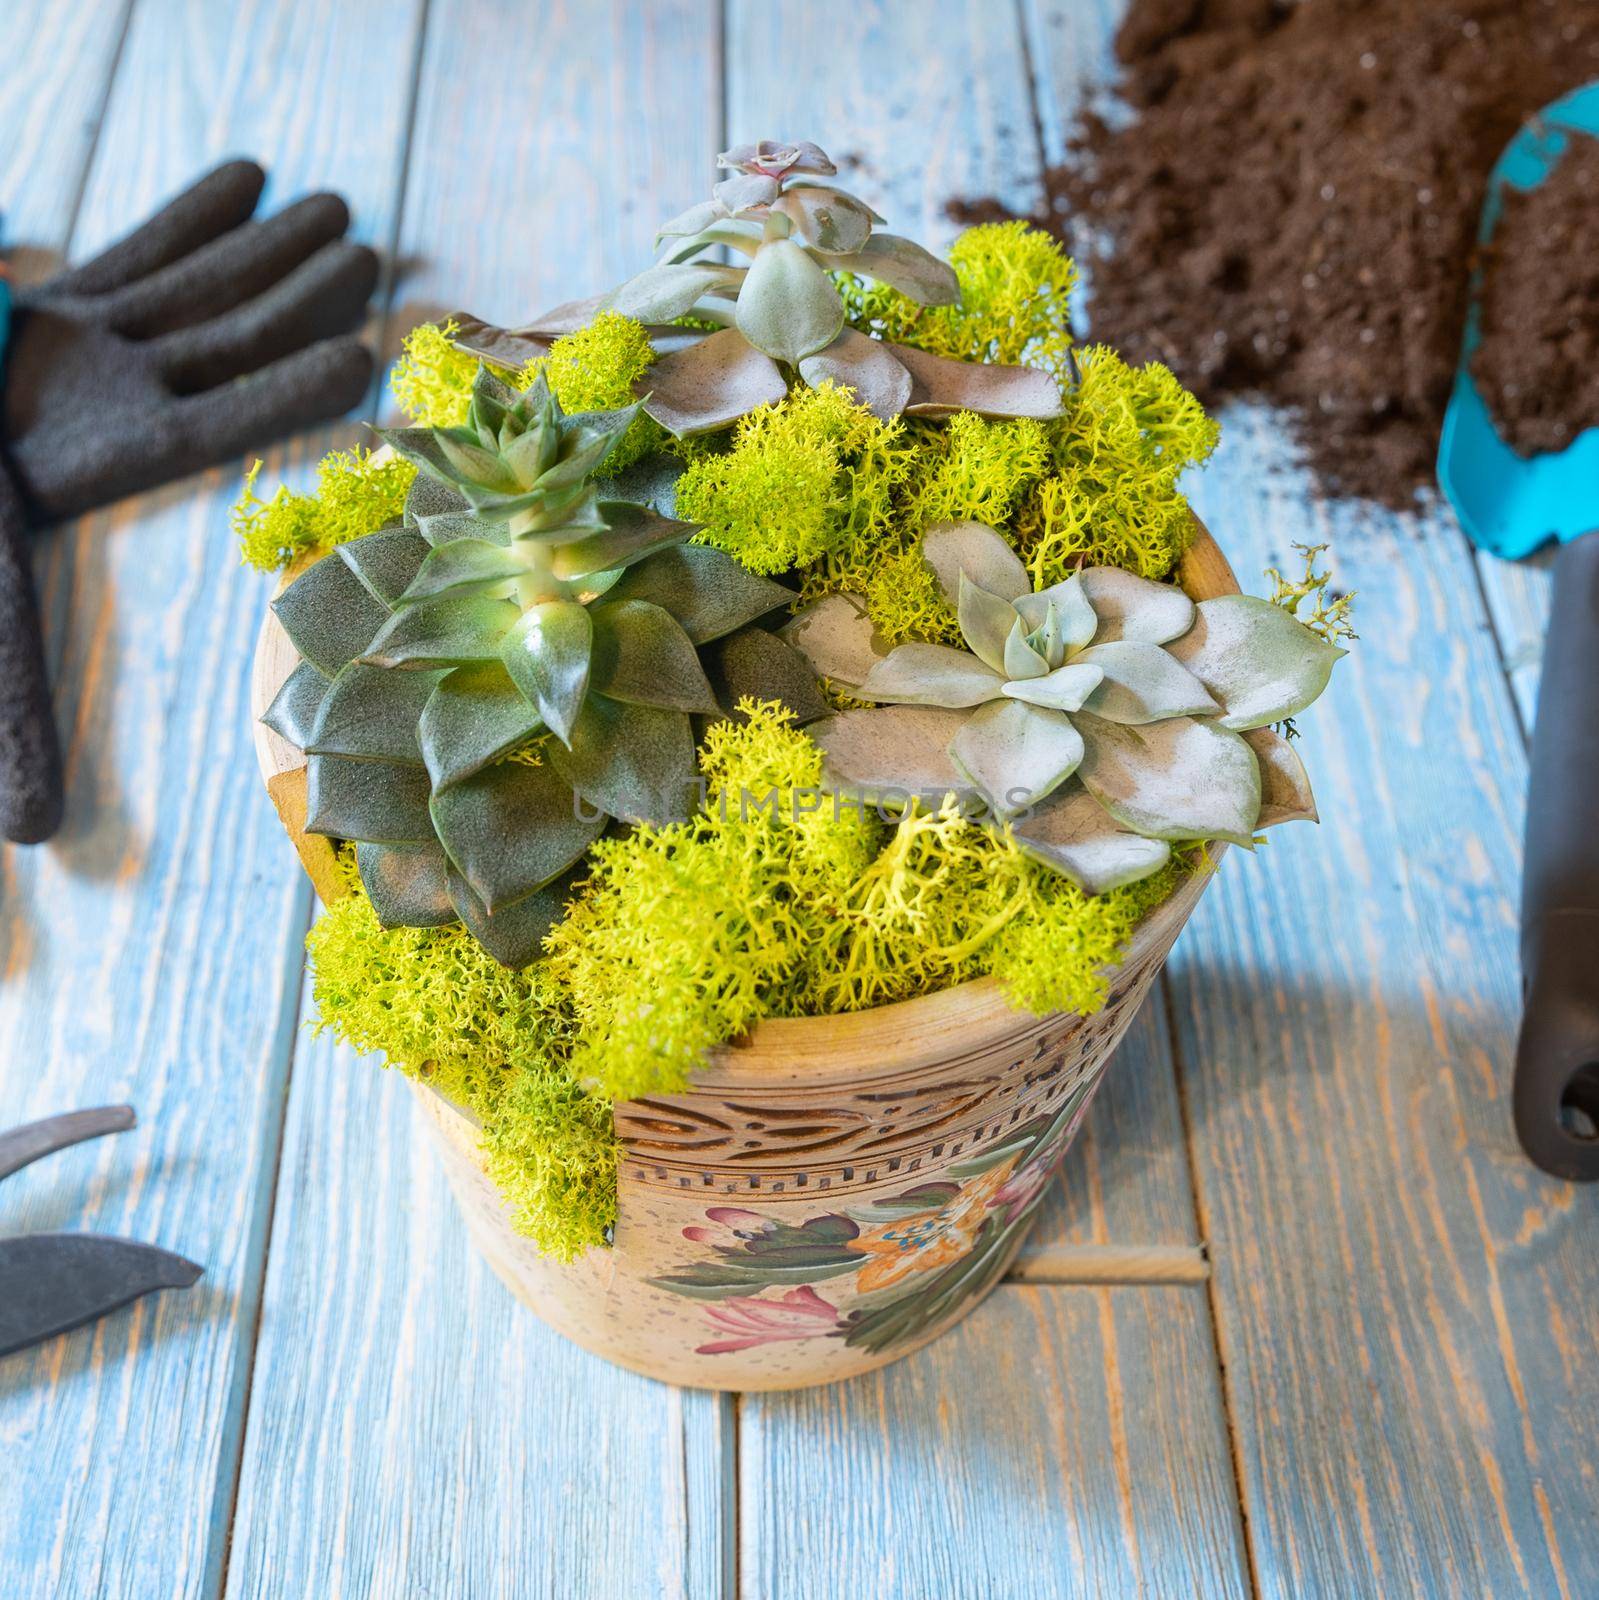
<point x="830" y="1193"/>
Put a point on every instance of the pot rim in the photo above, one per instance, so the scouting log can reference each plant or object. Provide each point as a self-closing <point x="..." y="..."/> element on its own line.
<point x="966" y="1018"/>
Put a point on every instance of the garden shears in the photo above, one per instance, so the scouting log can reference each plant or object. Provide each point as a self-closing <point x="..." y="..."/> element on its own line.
<point x="53" y="1282"/>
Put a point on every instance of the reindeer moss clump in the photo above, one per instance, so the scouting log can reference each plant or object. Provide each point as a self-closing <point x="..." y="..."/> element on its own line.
<point x="354" y="495"/>
<point x="498" y="1043"/>
<point x="809" y="479"/>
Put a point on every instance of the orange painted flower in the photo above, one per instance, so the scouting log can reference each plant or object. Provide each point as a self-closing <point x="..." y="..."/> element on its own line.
<point x="927" y="1240"/>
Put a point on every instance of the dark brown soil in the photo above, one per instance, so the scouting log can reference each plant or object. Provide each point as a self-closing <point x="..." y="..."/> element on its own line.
<point x="1538" y="364"/>
<point x="1292" y="209"/>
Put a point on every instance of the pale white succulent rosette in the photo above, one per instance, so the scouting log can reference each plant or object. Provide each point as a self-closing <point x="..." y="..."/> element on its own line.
<point x="1105" y="719"/>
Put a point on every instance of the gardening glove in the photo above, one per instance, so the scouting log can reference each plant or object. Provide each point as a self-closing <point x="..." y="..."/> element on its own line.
<point x="200" y="335"/>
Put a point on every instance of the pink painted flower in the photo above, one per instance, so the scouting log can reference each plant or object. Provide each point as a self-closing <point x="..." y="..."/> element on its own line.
<point x="751" y="1321"/>
<point x="731" y="1225"/>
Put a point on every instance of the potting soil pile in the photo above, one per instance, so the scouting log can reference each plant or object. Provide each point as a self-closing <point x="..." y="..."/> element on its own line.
<point x="1538" y="364"/>
<point x="1292" y="210"/>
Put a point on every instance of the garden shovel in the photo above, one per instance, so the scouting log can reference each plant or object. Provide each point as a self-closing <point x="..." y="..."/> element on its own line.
<point x="1510" y="505"/>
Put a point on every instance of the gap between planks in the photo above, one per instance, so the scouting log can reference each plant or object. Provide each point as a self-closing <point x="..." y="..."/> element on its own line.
<point x="1112" y="1264"/>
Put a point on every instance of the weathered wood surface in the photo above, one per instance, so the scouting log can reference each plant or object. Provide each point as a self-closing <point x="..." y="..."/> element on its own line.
<point x="151" y="953"/>
<point x="426" y="1431"/>
<point x="1406" y="1313"/>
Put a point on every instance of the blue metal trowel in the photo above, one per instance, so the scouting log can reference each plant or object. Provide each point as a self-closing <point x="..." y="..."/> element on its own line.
<point x="1511" y="505"/>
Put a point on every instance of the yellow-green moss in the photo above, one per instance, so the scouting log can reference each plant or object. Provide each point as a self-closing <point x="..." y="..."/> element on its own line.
<point x="433" y="1003"/>
<point x="594" y="369"/>
<point x="812" y="476"/>
<point x="355" y="495"/>
<point x="432" y="381"/>
<point x="1111" y="499"/>
<point x="1015" y="284"/>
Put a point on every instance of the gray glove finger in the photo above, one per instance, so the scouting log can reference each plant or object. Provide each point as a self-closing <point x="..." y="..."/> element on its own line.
<point x="220" y="201"/>
<point x="228" y="271"/>
<point x="324" y="296"/>
<point x="310" y="386"/>
<point x="30" y="754"/>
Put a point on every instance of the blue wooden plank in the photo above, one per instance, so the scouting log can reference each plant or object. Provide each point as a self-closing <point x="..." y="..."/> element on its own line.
<point x="1517" y="593"/>
<point x="413" y="1428"/>
<point x="151" y="953"/>
<point x="1060" y="1442"/>
<point x="59" y="65"/>
<point x="1407" y="1309"/>
<point x="423" y="1430"/>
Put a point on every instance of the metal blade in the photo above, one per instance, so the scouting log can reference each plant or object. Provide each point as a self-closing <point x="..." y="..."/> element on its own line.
<point x="52" y="1282"/>
<point x="19" y="1146"/>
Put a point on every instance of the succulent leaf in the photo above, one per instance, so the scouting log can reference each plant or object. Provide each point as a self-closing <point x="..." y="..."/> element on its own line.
<point x="635" y="763"/>
<point x="1284" y="784"/>
<point x="743" y="191"/>
<point x="864" y="366"/>
<point x="695" y="220"/>
<point x="373" y="802"/>
<point x="514" y="934"/>
<point x="1260" y="662"/>
<point x="432" y="497"/>
<point x="837" y="638"/>
<point x="408" y="885"/>
<point x="986" y="622"/>
<point x="753" y="664"/>
<point x="1021" y="660"/>
<point x="1178" y="779"/>
<point x="329" y="615"/>
<point x="931" y="675"/>
<point x="510" y="828"/>
<point x="832" y="221"/>
<point x="1014" y="754"/>
<point x="548" y="651"/>
<point x="385" y="561"/>
<point x="904" y="265"/>
<point x="952" y="549"/>
<point x="706" y="590"/>
<point x="711" y="384"/>
<point x="631" y="533"/>
<point x="1072" y="833"/>
<point x="448" y="526"/>
<point x="1075" y="620"/>
<point x="292" y="714"/>
<point x="891" y="756"/>
<point x="650" y="481"/>
<point x="463" y="566"/>
<point x="788" y="307"/>
<point x="1064" y="689"/>
<point x="778" y="158"/>
<point x="642" y="656"/>
<point x="1143" y="683"/>
<point x="661" y="293"/>
<point x="369" y="714"/>
<point x="472" y="718"/>
<point x="1130" y="607"/>
<point x="449" y="631"/>
<point x="941" y="387"/>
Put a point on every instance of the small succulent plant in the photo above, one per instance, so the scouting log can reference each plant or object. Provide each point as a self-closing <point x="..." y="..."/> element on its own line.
<point x="1105" y="718"/>
<point x="486" y="683"/>
<point x="782" y="312"/>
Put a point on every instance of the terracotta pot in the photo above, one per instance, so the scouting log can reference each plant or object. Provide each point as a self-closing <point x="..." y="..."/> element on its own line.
<point x="831" y="1193"/>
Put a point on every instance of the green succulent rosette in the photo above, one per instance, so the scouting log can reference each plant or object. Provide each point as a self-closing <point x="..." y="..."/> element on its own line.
<point x="1105" y="718"/>
<point x="487" y="684"/>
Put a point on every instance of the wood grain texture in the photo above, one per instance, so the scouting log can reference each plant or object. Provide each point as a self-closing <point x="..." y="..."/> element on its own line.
<point x="1061" y="1442"/>
<point x="905" y="1482"/>
<point x="59" y="62"/>
<point x="151" y="953"/>
<point x="412" y="1428"/>
<point x="416" y="1431"/>
<point x="1404" y="1303"/>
